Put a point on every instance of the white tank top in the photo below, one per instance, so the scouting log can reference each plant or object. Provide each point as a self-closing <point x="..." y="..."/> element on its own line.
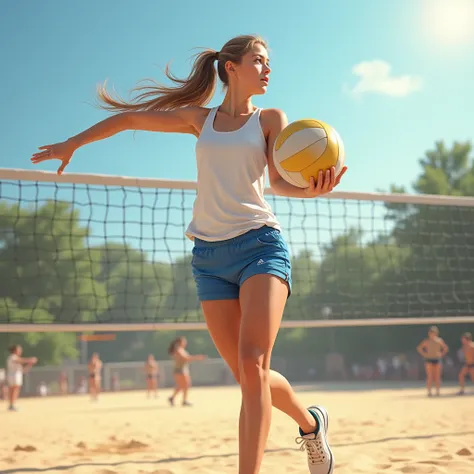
<point x="13" y="366"/>
<point x="231" y="181"/>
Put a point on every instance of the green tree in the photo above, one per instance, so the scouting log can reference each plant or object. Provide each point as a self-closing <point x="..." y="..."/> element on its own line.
<point x="46" y="274"/>
<point x="181" y="304"/>
<point x="437" y="279"/>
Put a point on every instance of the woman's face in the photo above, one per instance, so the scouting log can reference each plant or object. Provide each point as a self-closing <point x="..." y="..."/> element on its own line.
<point x="251" y="75"/>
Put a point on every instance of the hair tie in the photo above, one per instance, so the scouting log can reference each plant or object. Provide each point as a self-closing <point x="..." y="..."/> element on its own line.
<point x="216" y="55"/>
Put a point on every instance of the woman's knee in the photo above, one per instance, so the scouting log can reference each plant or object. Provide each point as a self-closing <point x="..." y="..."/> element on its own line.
<point x="253" y="369"/>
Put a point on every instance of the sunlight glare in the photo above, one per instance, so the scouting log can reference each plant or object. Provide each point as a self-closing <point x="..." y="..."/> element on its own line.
<point x="450" y="22"/>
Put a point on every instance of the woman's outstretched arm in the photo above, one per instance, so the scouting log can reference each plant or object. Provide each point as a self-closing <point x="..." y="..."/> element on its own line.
<point x="184" y="120"/>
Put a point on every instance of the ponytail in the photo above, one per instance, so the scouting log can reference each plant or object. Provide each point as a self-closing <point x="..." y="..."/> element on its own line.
<point x="197" y="89"/>
<point x="172" y="346"/>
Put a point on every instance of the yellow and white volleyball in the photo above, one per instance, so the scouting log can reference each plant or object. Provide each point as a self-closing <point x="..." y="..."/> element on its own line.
<point x="304" y="148"/>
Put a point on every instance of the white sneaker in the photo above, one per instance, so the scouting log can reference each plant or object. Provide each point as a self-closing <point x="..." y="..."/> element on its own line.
<point x="320" y="457"/>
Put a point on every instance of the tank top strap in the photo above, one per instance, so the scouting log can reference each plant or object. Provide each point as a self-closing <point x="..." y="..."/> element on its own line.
<point x="257" y="125"/>
<point x="208" y="123"/>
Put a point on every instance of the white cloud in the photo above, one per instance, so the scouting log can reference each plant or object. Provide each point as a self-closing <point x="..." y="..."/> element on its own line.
<point x="376" y="77"/>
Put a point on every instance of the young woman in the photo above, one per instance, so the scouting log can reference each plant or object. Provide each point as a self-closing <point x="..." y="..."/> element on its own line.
<point x="233" y="227"/>
<point x="182" y="378"/>
<point x="16" y="367"/>
<point x="433" y="349"/>
<point x="468" y="367"/>
<point x="152" y="373"/>
<point x="95" y="376"/>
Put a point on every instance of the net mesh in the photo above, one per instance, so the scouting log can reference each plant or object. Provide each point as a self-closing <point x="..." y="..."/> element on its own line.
<point x="74" y="253"/>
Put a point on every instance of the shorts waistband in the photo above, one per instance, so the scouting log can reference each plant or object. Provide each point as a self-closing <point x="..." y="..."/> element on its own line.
<point x="240" y="238"/>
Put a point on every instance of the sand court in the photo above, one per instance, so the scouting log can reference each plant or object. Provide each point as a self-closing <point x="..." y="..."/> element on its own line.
<point x="385" y="430"/>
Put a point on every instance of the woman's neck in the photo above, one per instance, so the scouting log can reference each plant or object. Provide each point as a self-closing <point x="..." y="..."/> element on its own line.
<point x="236" y="104"/>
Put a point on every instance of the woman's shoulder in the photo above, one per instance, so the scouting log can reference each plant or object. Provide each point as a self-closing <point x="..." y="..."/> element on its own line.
<point x="273" y="115"/>
<point x="273" y="119"/>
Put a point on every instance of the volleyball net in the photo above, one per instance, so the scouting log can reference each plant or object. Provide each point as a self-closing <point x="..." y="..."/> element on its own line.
<point x="88" y="252"/>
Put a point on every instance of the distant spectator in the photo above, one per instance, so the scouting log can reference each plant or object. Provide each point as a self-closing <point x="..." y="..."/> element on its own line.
<point x="82" y="387"/>
<point x="115" y="382"/>
<point x="396" y="367"/>
<point x="63" y="383"/>
<point x="382" y="366"/>
<point x="42" y="389"/>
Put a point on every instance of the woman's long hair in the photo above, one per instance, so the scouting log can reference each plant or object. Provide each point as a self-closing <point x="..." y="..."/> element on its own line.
<point x="196" y="90"/>
<point x="172" y="346"/>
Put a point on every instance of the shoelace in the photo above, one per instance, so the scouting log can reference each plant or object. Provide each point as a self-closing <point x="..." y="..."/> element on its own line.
<point x="313" y="447"/>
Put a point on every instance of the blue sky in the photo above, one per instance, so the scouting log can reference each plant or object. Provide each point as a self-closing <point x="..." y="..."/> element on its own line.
<point x="54" y="53"/>
<point x="391" y="76"/>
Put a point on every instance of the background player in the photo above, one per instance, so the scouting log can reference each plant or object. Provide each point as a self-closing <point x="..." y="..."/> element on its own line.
<point x="182" y="377"/>
<point x="95" y="376"/>
<point x="16" y="367"/>
<point x="433" y="349"/>
<point x="468" y="367"/>
<point x="152" y="372"/>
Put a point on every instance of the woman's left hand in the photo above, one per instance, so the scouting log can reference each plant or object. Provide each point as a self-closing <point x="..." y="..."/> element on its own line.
<point x="325" y="183"/>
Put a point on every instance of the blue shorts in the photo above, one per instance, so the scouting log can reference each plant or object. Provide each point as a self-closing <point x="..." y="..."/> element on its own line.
<point x="220" y="268"/>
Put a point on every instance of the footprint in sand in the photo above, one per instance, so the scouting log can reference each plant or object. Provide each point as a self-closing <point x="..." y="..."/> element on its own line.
<point x="27" y="448"/>
<point x="433" y="462"/>
<point x="464" y="452"/>
<point x="133" y="444"/>
<point x="347" y="432"/>
<point x="402" y="449"/>
<point x="410" y="469"/>
<point x="392" y="459"/>
<point x="81" y="445"/>
<point x="446" y="457"/>
<point x="125" y="447"/>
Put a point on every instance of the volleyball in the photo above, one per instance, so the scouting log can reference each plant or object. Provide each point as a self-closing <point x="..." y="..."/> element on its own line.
<point x="304" y="148"/>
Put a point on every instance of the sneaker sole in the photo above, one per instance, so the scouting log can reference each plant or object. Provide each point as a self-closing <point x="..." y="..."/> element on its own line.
<point x="323" y="414"/>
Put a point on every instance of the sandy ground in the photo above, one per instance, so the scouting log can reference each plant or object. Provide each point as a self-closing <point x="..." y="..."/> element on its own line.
<point x="371" y="431"/>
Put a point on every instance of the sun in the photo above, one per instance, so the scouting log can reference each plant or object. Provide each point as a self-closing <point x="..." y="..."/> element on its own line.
<point x="449" y="22"/>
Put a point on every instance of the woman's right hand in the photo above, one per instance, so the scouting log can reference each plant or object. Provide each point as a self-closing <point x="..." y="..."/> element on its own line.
<point x="59" y="151"/>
